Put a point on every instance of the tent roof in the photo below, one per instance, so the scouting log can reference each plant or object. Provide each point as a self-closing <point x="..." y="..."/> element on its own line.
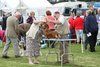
<point x="1" y="4"/>
<point x="12" y="3"/>
<point x="22" y="5"/>
<point x="5" y="7"/>
<point x="27" y="3"/>
<point x="37" y="3"/>
<point x="70" y="4"/>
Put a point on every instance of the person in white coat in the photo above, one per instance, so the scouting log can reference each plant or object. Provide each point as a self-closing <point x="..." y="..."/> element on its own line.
<point x="33" y="38"/>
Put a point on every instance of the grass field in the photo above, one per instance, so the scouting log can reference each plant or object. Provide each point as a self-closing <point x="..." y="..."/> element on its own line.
<point x="86" y="59"/>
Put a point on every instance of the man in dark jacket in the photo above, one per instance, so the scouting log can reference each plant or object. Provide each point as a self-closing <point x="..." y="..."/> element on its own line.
<point x="91" y="28"/>
<point x="21" y="19"/>
<point x="4" y="18"/>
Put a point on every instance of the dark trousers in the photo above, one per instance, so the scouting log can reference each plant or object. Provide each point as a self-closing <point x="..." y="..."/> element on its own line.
<point x="71" y="33"/>
<point x="92" y="41"/>
<point x="64" y="49"/>
<point x="85" y="41"/>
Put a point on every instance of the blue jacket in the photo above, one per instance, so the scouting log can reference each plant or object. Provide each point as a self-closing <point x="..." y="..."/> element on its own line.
<point x="91" y="24"/>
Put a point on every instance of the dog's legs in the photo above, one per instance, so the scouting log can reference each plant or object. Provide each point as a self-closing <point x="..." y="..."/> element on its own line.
<point x="22" y="54"/>
<point x="20" y="51"/>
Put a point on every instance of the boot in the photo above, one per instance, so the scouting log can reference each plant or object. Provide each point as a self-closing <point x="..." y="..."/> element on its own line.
<point x="36" y="60"/>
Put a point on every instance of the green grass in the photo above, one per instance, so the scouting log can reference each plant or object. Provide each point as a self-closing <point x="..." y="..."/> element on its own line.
<point x="86" y="59"/>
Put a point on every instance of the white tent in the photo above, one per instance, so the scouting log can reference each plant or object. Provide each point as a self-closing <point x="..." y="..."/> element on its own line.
<point x="11" y="3"/>
<point x="38" y="6"/>
<point x="21" y="5"/>
<point x="30" y="3"/>
<point x="37" y="3"/>
<point x="5" y="7"/>
<point x="1" y="4"/>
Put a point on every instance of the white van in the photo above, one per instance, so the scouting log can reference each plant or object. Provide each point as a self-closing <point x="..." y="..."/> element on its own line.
<point x="65" y="7"/>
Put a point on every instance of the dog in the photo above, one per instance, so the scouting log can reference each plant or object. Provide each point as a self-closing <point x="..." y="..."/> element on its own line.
<point x="49" y="33"/>
<point x="22" y="48"/>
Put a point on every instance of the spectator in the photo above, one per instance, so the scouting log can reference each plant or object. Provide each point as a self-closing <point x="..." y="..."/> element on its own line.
<point x="98" y="18"/>
<point x="50" y="17"/>
<point x="4" y="18"/>
<point x="50" y="24"/>
<point x="62" y="28"/>
<point x="91" y="28"/>
<point x="70" y="20"/>
<point x="98" y="21"/>
<point x="12" y="35"/>
<point x="85" y="35"/>
<point x="92" y="9"/>
<point x="21" y="19"/>
<point x="78" y="24"/>
<point x="85" y="40"/>
<point x="31" y="17"/>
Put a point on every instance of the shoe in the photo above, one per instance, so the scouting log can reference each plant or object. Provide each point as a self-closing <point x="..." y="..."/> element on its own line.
<point x="31" y="63"/>
<point x="65" y="62"/>
<point x="36" y="62"/>
<point x="5" y="56"/>
<point x="85" y="48"/>
<point x="17" y="56"/>
<point x="59" y="61"/>
<point x="92" y="51"/>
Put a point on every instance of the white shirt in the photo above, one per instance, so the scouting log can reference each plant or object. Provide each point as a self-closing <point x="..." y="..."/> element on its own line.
<point x="33" y="30"/>
<point x="61" y="19"/>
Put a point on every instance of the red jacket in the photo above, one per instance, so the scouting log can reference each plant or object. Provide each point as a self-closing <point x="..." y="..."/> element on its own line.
<point x="78" y="23"/>
<point x="70" y="21"/>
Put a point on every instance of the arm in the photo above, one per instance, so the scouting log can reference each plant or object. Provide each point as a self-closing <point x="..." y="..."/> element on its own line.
<point x="16" y="26"/>
<point x="60" y="20"/>
<point x="87" y="25"/>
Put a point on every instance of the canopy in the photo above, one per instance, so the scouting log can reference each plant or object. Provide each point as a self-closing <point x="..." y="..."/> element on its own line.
<point x="22" y="5"/>
<point x="5" y="7"/>
<point x="29" y="3"/>
<point x="71" y="4"/>
<point x="11" y="3"/>
<point x="1" y="4"/>
<point x="37" y="3"/>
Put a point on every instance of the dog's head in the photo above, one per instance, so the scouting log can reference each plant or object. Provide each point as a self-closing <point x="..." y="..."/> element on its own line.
<point x="21" y="44"/>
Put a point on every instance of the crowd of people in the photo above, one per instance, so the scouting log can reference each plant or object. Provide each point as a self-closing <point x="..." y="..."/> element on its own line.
<point x="32" y="33"/>
<point x="85" y="28"/>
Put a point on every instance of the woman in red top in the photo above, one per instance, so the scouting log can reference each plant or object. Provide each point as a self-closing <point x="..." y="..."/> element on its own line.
<point x="50" y="17"/>
<point x="78" y="24"/>
<point x="70" y="21"/>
